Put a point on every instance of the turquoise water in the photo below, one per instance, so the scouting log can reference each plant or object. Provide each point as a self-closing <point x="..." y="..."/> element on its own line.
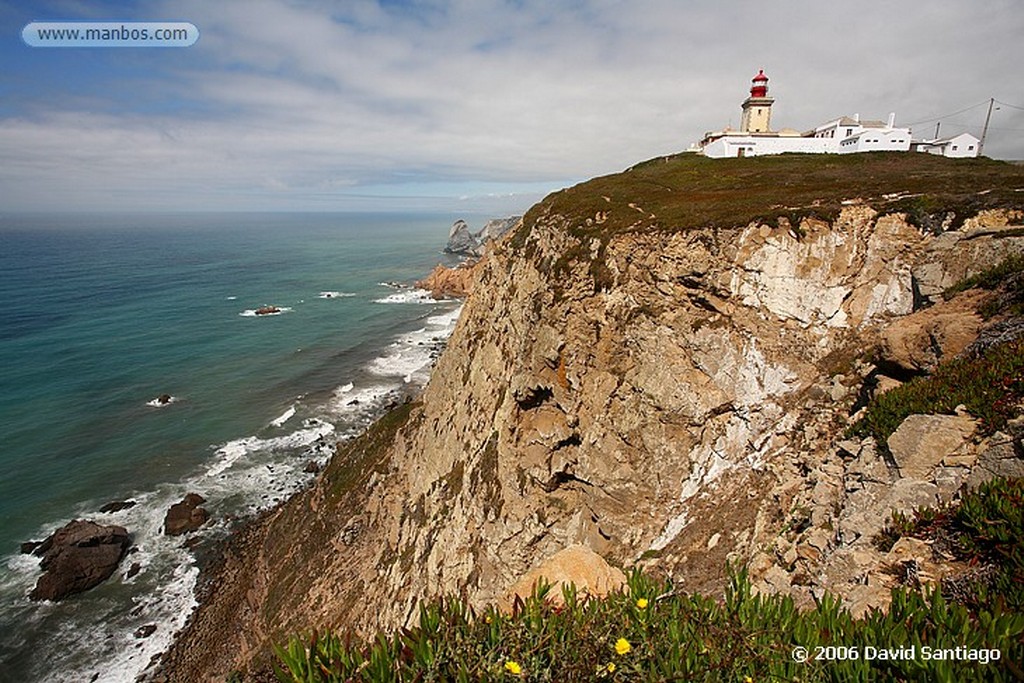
<point x="102" y="314"/>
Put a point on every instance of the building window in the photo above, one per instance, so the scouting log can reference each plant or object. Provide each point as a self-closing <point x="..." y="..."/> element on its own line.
<point x="970" y="147"/>
<point x="955" y="148"/>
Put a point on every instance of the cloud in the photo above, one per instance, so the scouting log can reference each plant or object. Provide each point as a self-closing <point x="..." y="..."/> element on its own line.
<point x="410" y="104"/>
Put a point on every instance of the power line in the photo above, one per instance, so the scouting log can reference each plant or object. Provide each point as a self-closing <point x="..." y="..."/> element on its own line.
<point x="1011" y="106"/>
<point x="946" y="116"/>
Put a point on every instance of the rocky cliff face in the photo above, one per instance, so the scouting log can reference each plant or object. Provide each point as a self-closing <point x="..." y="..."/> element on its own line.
<point x="674" y="398"/>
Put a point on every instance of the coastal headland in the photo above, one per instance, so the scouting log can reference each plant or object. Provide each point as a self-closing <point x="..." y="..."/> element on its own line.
<point x="663" y="366"/>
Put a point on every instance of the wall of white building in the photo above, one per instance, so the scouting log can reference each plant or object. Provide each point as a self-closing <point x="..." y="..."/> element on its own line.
<point x="961" y="146"/>
<point x="877" y="140"/>
<point x="755" y="145"/>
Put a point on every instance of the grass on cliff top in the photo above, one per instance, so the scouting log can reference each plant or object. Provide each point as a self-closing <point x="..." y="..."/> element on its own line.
<point x="655" y="632"/>
<point x="692" y="191"/>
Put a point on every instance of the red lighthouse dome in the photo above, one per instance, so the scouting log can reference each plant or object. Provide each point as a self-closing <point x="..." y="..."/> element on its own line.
<point x="760" y="85"/>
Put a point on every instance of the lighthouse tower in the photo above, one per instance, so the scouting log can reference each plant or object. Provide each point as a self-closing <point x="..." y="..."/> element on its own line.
<point x="757" y="109"/>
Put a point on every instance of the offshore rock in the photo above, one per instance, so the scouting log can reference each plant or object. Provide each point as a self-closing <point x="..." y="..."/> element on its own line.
<point x="77" y="557"/>
<point x="186" y="516"/>
<point x="463" y="241"/>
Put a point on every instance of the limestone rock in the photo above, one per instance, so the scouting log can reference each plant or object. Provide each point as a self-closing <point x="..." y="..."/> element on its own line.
<point x="77" y="557"/>
<point x="919" y="341"/>
<point x="579" y="565"/>
<point x="185" y="516"/>
<point x="923" y="441"/>
<point x="1002" y="457"/>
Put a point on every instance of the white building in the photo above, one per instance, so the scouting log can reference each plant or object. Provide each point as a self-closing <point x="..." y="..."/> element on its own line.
<point x="959" y="146"/>
<point x="843" y="135"/>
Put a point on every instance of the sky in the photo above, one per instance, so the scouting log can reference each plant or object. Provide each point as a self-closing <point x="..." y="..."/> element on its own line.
<point x="477" y="106"/>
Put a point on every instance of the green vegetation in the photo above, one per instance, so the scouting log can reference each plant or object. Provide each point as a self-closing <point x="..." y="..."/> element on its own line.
<point x="690" y="191"/>
<point x="656" y="633"/>
<point x="1007" y="276"/>
<point x="985" y="530"/>
<point x="990" y="386"/>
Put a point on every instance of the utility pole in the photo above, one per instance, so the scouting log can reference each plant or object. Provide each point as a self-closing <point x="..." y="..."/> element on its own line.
<point x="937" y="124"/>
<point x="984" y="131"/>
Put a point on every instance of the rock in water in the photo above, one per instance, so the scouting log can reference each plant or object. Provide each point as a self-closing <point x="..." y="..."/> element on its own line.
<point x="78" y="556"/>
<point x="461" y="240"/>
<point x="267" y="310"/>
<point x="118" y="505"/>
<point x="185" y="516"/>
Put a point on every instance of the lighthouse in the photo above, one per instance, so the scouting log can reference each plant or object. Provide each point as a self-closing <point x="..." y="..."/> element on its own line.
<point x="757" y="109"/>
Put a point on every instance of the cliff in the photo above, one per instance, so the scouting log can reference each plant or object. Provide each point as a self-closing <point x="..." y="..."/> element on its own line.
<point x="660" y="365"/>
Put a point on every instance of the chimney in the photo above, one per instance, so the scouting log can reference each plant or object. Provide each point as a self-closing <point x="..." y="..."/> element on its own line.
<point x="892" y="119"/>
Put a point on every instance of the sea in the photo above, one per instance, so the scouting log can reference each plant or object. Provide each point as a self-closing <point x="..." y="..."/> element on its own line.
<point x="104" y="314"/>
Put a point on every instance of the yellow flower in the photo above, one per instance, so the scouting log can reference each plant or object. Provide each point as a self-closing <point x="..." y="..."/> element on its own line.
<point x="513" y="667"/>
<point x="622" y="646"/>
<point x="748" y="679"/>
<point x="611" y="667"/>
<point x="642" y="603"/>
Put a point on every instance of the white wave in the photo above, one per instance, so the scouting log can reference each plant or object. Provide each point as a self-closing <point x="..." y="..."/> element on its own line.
<point x="283" y="417"/>
<point x="157" y="403"/>
<point x="409" y="296"/>
<point x="243" y="475"/>
<point x="251" y="312"/>
<point x="335" y="295"/>
<point x="231" y="298"/>
<point x="446" y="320"/>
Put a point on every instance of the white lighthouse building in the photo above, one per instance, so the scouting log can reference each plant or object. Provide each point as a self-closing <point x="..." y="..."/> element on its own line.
<point x="844" y="135"/>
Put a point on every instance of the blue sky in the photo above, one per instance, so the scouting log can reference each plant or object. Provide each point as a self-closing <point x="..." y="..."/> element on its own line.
<point x="463" y="105"/>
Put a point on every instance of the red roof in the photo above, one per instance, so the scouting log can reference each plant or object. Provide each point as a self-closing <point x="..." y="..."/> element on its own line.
<point x="760" y="76"/>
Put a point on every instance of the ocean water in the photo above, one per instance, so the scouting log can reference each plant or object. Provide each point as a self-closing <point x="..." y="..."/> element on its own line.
<point x="103" y="314"/>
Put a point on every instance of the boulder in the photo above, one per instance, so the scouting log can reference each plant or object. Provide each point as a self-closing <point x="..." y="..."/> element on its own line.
<point x="1002" y="456"/>
<point x="923" y="441"/>
<point x="919" y="341"/>
<point x="579" y="565"/>
<point x="186" y="515"/>
<point x="78" y="556"/>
